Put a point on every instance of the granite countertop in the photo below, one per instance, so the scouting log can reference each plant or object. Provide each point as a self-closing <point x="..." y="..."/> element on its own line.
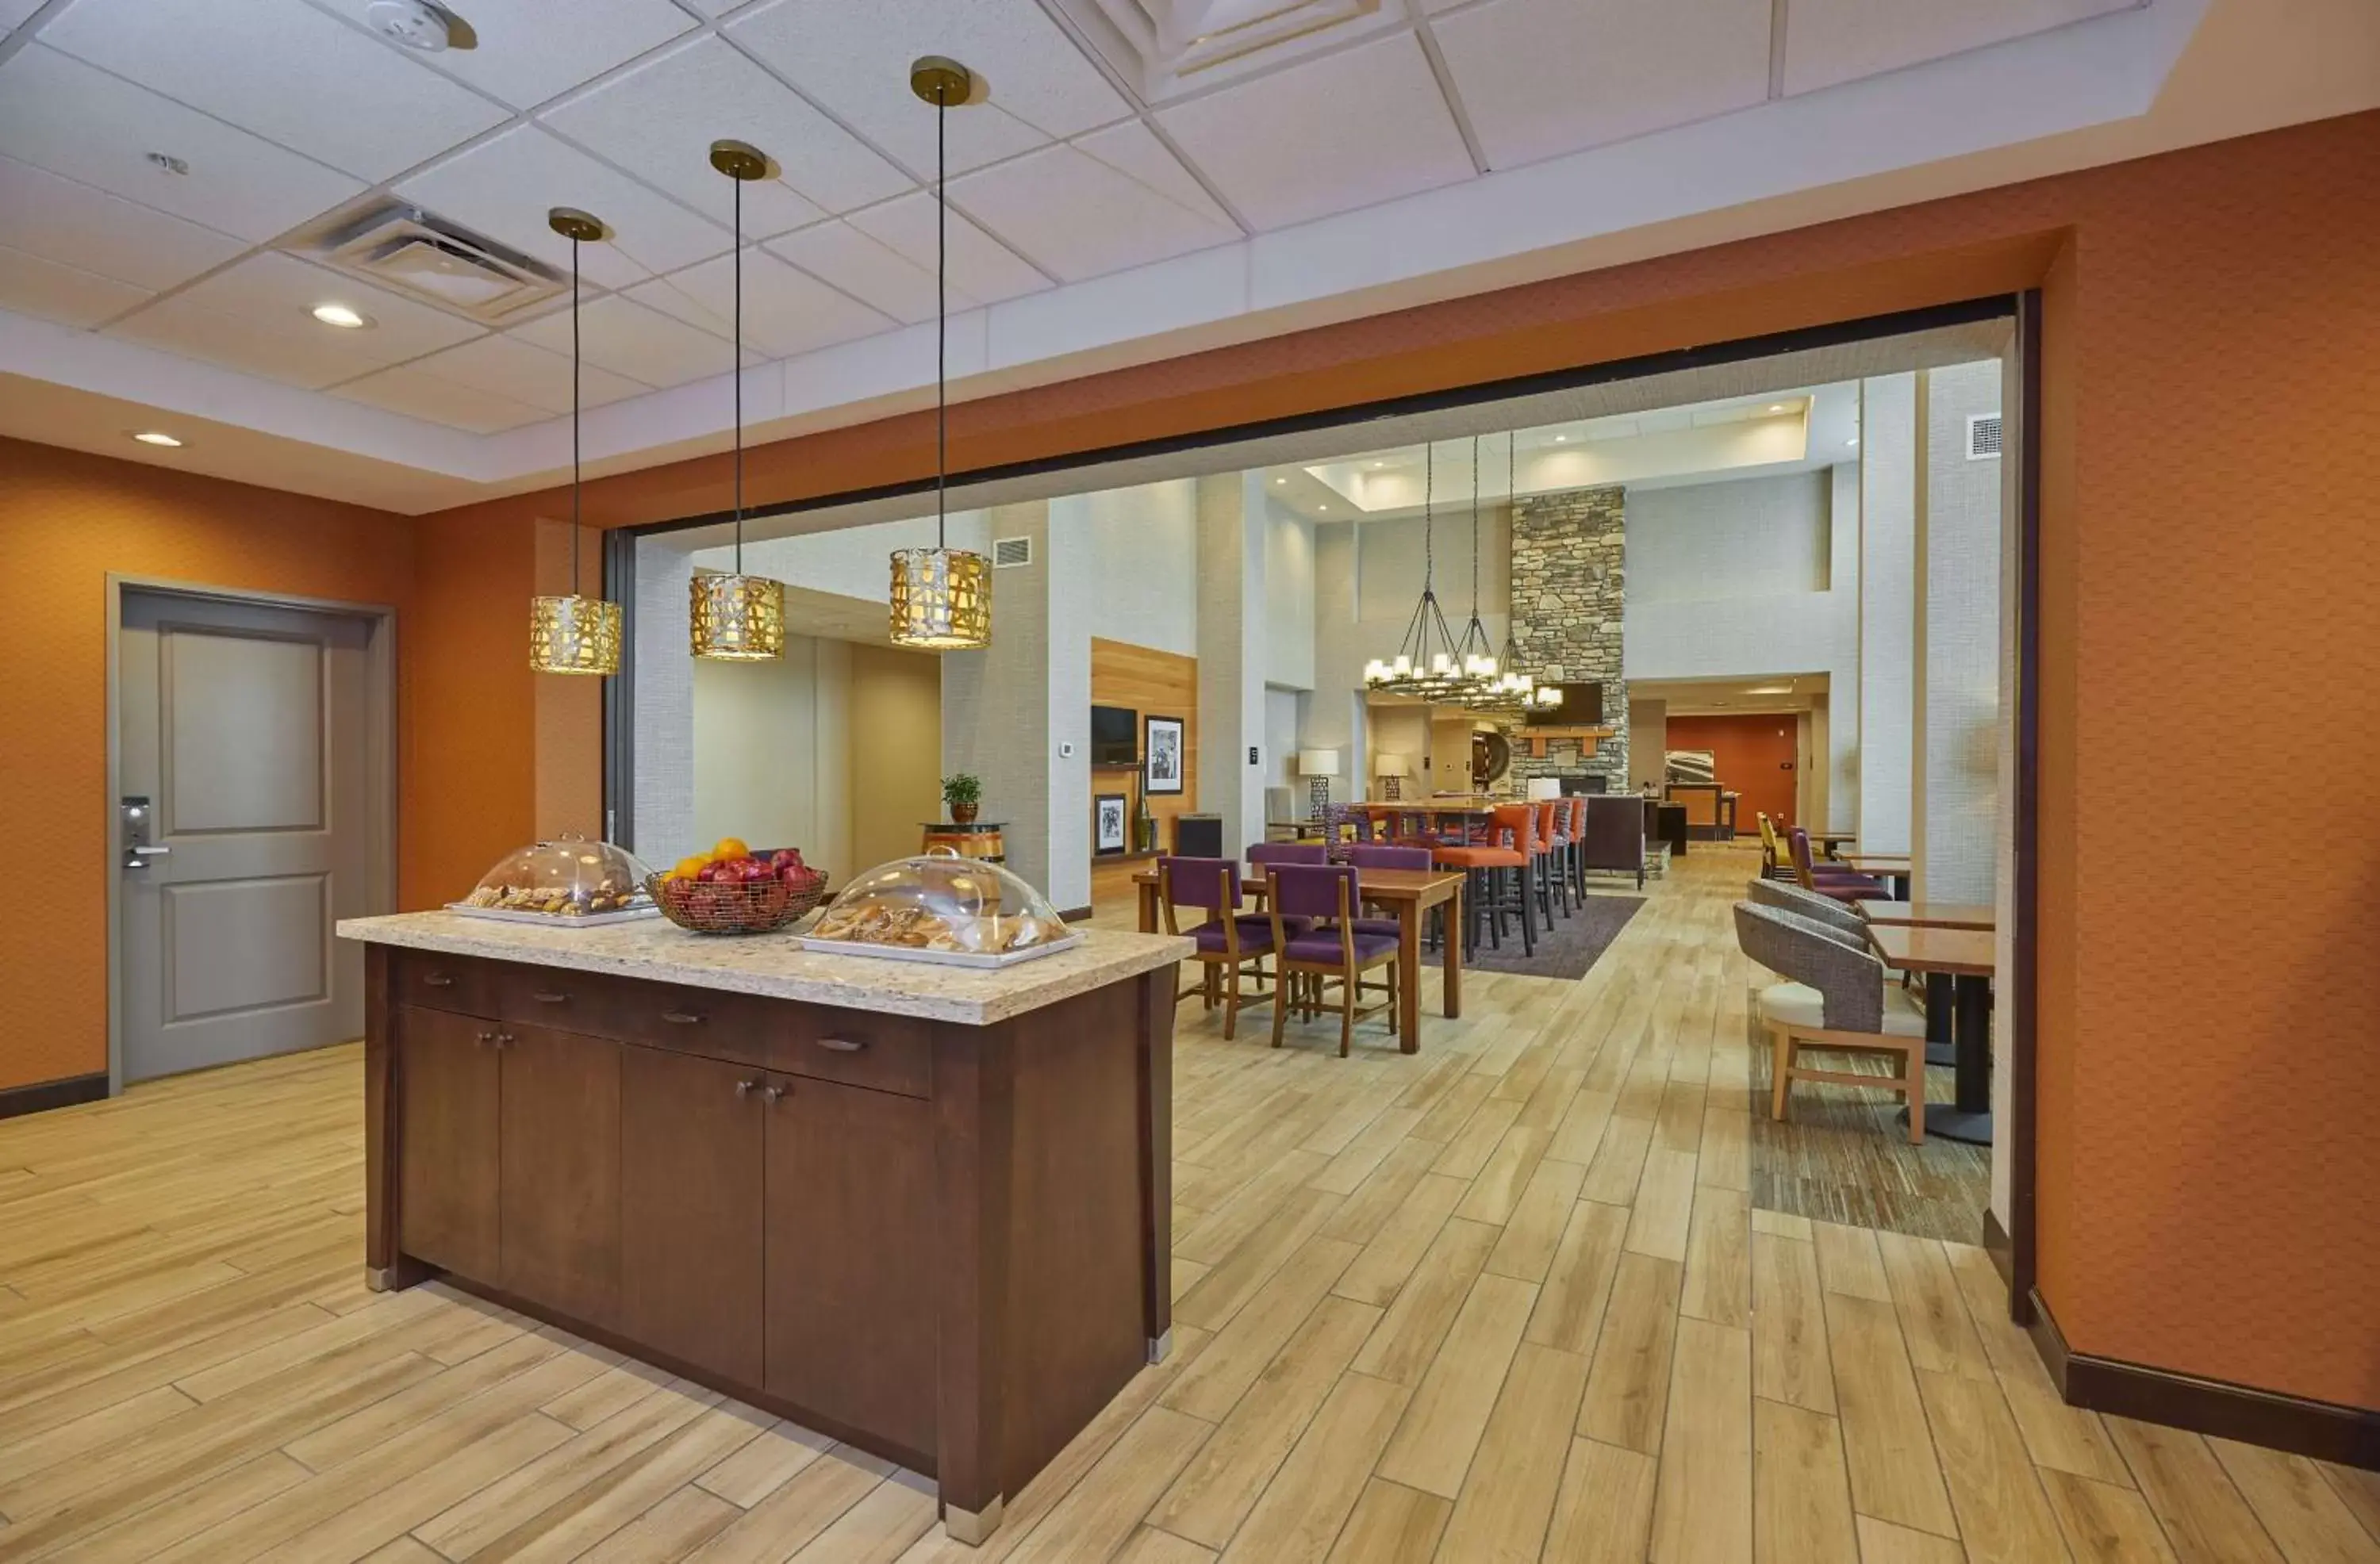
<point x="776" y="967"/>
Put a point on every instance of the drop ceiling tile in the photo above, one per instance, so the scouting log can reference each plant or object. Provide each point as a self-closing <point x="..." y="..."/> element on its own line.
<point x="1540" y="77"/>
<point x="629" y="339"/>
<point x="981" y="267"/>
<point x="1079" y="217"/>
<point x="506" y="186"/>
<point x="530" y="51"/>
<point x="59" y="113"/>
<point x="1346" y="131"/>
<point x="658" y="122"/>
<point x="1133" y="148"/>
<point x="285" y="71"/>
<point x="418" y="393"/>
<point x="14" y="13"/>
<point x="1831" y="41"/>
<point x="852" y="61"/>
<point x="77" y="225"/>
<point x="866" y="270"/>
<point x="33" y="286"/>
<point x="514" y="371"/>
<point x="785" y="311"/>
<point x="298" y="352"/>
<point x="277" y="291"/>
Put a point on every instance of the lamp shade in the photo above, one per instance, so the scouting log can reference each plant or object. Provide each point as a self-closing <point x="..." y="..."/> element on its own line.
<point x="1388" y="764"/>
<point x="574" y="635"/>
<point x="1543" y="788"/>
<point x="737" y="618"/>
<point x="941" y="599"/>
<point x="1317" y="762"/>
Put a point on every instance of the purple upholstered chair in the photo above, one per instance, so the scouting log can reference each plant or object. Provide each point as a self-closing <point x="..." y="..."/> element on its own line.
<point x="1386" y="858"/>
<point x="1841" y="887"/>
<point x="1230" y="942"/>
<point x="1264" y="852"/>
<point x="1334" y="947"/>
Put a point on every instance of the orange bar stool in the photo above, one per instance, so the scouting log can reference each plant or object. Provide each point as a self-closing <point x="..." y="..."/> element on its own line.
<point x="1486" y="865"/>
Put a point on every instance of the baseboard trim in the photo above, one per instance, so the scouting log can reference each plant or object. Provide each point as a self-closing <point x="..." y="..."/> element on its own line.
<point x="2002" y="1249"/>
<point x="43" y="1096"/>
<point x="1075" y="915"/>
<point x="2325" y="1430"/>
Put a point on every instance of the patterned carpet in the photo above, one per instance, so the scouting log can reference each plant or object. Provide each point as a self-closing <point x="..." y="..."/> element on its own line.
<point x="1574" y="946"/>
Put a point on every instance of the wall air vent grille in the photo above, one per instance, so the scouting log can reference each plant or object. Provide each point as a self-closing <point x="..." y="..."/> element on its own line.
<point x="1006" y="551"/>
<point x="1984" y="432"/>
<point x="406" y="250"/>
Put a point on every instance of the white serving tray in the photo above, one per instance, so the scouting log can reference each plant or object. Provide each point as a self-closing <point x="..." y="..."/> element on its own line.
<point x="555" y="920"/>
<point x="943" y="958"/>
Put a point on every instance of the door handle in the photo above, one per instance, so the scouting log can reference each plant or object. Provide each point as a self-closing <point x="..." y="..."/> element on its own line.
<point x="769" y="1094"/>
<point x="149" y="852"/>
<point x="840" y="1044"/>
<point x="744" y="1088"/>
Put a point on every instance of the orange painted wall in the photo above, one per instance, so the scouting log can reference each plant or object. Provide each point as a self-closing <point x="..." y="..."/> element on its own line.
<point x="67" y="520"/>
<point x="1748" y="749"/>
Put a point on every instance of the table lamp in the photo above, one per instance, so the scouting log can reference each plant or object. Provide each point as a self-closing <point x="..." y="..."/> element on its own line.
<point x="1318" y="766"/>
<point x="1391" y="769"/>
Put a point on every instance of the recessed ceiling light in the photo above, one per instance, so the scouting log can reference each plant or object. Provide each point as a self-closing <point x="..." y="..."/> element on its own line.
<point x="1776" y="407"/>
<point x="1323" y="507"/>
<point x="151" y="437"/>
<point x="340" y="316"/>
<point x="1852" y="441"/>
<point x="1560" y="438"/>
<point x="1281" y="480"/>
<point x="1377" y="465"/>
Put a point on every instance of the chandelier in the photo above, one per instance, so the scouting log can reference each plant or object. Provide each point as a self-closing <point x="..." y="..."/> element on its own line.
<point x="1504" y="687"/>
<point x="1428" y="661"/>
<point x="574" y="633"/>
<point x="941" y="596"/>
<point x="736" y="617"/>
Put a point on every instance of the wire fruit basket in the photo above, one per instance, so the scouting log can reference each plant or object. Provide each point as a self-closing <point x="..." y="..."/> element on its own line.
<point x="739" y="907"/>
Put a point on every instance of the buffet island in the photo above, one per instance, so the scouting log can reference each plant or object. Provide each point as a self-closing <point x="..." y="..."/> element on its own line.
<point x="920" y="1207"/>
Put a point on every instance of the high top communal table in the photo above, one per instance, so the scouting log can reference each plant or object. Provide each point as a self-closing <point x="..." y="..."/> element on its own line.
<point x="924" y="1210"/>
<point x="1966" y="957"/>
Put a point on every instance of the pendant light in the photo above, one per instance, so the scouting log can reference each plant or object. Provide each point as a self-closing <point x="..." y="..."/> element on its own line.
<point x="1514" y="687"/>
<point x="941" y="596"/>
<point x="738" y="618"/>
<point x="574" y="633"/>
<point x="1428" y="663"/>
<point x="1475" y="652"/>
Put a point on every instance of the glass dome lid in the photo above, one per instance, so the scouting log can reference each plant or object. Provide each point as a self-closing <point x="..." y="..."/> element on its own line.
<point x="941" y="903"/>
<point x="569" y="876"/>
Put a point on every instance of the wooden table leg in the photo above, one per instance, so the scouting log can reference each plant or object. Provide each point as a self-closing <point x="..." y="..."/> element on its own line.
<point x="1409" y="974"/>
<point x="1451" y="999"/>
<point x="1148" y="908"/>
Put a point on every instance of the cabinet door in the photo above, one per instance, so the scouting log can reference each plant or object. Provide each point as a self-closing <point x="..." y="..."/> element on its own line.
<point x="690" y="1172"/>
<point x="850" y="1289"/>
<point x="560" y="1183"/>
<point x="447" y="1098"/>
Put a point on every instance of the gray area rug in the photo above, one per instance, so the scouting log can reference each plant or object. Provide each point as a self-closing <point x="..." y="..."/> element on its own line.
<point x="1571" y="950"/>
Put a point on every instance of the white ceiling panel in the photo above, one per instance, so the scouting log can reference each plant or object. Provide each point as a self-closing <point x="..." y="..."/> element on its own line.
<point x="785" y="311"/>
<point x="297" y="352"/>
<point x="277" y="292"/>
<point x="866" y="271"/>
<point x="514" y="371"/>
<point x="418" y="393"/>
<point x="658" y="121"/>
<point x="504" y="187"/>
<point x="854" y="62"/>
<point x="643" y="344"/>
<point x="284" y="70"/>
<point x="1077" y="216"/>
<point x="981" y="267"/>
<point x="1540" y="77"/>
<point x="1346" y="131"/>
<point x="64" y="116"/>
<point x="1831" y="41"/>
<point x="14" y="12"/>
<point x="530" y="51"/>
<point x="77" y="225"/>
<point x="33" y="286"/>
<point x="1133" y="148"/>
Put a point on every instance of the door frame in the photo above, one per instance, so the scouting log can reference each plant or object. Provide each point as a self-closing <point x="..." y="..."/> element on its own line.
<point x="380" y="756"/>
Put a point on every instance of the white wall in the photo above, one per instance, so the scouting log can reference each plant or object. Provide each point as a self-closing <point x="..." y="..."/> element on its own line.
<point x="855" y="562"/>
<point x="1289" y="599"/>
<point x="1144" y="545"/>
<point x="772" y="754"/>
<point x="1710" y="542"/>
<point x="1959" y="795"/>
<point x="1888" y="686"/>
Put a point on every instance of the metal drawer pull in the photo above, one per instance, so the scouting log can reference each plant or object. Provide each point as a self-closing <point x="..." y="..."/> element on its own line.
<point x="437" y="980"/>
<point x="744" y="1088"/>
<point x="840" y="1044"/>
<point x="681" y="1018"/>
<point x="770" y="1094"/>
<point x="486" y="1037"/>
<point x="504" y="1039"/>
<point x="548" y="997"/>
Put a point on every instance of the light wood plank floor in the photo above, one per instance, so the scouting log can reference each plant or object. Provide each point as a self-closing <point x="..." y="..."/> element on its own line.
<point x="1508" y="1299"/>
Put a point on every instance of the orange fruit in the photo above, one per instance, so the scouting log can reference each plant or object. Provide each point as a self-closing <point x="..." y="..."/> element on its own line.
<point x="729" y="847"/>
<point x="688" y="867"/>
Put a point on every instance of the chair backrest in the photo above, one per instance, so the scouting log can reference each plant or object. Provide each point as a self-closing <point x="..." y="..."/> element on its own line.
<point x="1211" y="883"/>
<point x="1389" y="857"/>
<point x="1289" y="852"/>
<point x="1797" y="841"/>
<point x="1577" y="802"/>
<point x="1517" y="827"/>
<point x="1788" y="897"/>
<point x="1652" y="818"/>
<point x="1850" y="982"/>
<point x="1313" y="890"/>
<point x="1546" y="825"/>
<point x="1615" y="833"/>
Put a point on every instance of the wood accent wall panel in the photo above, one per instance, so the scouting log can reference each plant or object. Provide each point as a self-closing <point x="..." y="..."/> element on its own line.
<point x="1152" y="682"/>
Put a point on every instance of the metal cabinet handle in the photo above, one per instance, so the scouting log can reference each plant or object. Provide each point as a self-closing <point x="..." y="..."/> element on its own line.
<point x="504" y="1039"/>
<point x="770" y="1094"/>
<point x="681" y="1018"/>
<point x="840" y="1044"/>
<point x="437" y="980"/>
<point x="744" y="1088"/>
<point x="484" y="1039"/>
<point x="548" y="997"/>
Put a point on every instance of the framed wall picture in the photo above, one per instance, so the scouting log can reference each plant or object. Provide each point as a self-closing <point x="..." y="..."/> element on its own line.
<point x="1163" y="749"/>
<point x="1107" y="824"/>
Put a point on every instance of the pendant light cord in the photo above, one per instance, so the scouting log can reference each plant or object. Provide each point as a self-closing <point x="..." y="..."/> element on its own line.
<point x="737" y="368"/>
<point x="1428" y="518"/>
<point x="1474" y="527"/>
<point x="574" y="480"/>
<point x="941" y="317"/>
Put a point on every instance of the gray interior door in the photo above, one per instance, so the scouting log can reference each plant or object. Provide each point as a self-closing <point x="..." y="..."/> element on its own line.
<point x="249" y="732"/>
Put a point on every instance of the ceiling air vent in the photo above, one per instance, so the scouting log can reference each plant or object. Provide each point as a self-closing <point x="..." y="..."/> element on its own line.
<point x="1984" y="432"/>
<point x="406" y="250"/>
<point x="1006" y="551"/>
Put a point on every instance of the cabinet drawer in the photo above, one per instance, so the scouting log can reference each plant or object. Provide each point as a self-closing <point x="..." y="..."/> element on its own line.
<point x="858" y="1047"/>
<point x="432" y="981"/>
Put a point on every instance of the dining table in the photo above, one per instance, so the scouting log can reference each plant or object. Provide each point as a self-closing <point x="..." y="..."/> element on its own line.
<point x="1832" y="843"/>
<point x="1410" y="893"/>
<point x="1939" y="1047"/>
<point x="1894" y="867"/>
<point x="1965" y="957"/>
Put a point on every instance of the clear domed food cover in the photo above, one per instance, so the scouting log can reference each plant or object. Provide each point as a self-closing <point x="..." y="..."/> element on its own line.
<point x="942" y="907"/>
<point x="567" y="880"/>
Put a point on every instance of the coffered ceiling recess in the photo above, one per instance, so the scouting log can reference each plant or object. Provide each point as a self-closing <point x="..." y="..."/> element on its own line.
<point x="1145" y="176"/>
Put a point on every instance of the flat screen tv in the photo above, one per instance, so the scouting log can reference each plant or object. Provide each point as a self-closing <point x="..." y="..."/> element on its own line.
<point x="1582" y="707"/>
<point x="1115" y="735"/>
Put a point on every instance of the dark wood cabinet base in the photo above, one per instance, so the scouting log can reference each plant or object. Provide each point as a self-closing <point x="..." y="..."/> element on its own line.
<point x="945" y="1244"/>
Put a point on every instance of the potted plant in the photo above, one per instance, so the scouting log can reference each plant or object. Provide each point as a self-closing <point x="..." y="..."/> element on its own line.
<point x="964" y="793"/>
